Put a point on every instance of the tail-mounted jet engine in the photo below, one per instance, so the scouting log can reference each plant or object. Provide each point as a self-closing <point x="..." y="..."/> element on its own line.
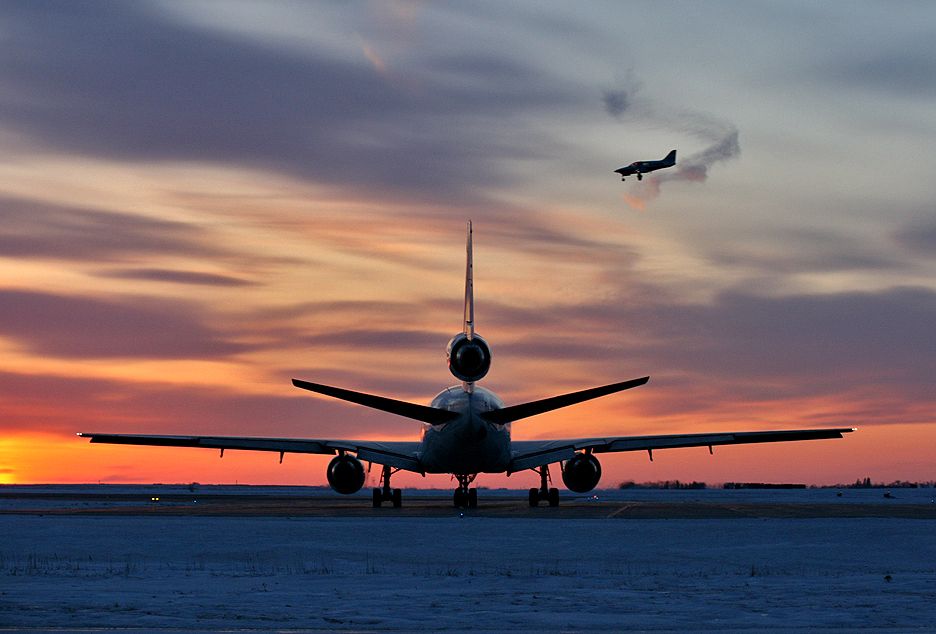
<point x="345" y="474"/>
<point x="468" y="359"/>
<point x="582" y="473"/>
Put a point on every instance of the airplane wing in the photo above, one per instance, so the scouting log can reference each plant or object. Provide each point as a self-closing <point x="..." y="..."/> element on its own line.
<point x="400" y="455"/>
<point x="536" y="453"/>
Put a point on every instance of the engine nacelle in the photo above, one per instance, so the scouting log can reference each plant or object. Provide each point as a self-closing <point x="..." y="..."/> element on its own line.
<point x="582" y="473"/>
<point x="468" y="360"/>
<point x="345" y="474"/>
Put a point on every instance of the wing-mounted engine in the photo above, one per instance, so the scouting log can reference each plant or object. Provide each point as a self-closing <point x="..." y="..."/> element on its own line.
<point x="468" y="359"/>
<point x="345" y="474"/>
<point x="582" y="473"/>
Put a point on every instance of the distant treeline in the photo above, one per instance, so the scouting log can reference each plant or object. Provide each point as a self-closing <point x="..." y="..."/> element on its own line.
<point x="866" y="483"/>
<point x="664" y="484"/>
<point x="761" y="485"/>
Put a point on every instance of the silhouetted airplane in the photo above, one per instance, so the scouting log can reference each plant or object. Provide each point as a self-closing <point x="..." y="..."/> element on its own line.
<point x="644" y="167"/>
<point x="467" y="432"/>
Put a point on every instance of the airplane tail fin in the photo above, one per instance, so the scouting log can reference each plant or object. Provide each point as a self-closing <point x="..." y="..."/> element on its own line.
<point x="671" y="157"/>
<point x="469" y="290"/>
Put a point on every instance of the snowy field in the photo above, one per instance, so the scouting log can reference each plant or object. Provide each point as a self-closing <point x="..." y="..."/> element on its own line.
<point x="465" y="573"/>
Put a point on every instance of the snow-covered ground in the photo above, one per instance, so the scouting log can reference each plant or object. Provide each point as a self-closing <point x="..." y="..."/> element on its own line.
<point x="466" y="573"/>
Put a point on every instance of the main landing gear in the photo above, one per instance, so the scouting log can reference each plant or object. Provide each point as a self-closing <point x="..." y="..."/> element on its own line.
<point x="544" y="493"/>
<point x="639" y="176"/>
<point x="386" y="494"/>
<point x="465" y="497"/>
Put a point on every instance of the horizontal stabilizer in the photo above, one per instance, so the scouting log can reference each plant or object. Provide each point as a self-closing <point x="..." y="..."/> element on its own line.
<point x="423" y="413"/>
<point x="525" y="410"/>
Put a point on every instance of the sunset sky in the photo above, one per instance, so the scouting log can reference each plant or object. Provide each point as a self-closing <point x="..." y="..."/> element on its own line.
<point x="202" y="200"/>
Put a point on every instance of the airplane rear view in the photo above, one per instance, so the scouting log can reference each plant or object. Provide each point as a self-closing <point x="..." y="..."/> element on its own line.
<point x="467" y="431"/>
<point x="644" y="167"/>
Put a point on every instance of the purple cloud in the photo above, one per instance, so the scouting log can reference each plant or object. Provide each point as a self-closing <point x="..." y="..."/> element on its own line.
<point x="84" y="327"/>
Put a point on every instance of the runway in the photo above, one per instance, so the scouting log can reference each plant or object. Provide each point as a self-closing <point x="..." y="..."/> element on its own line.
<point x="436" y="507"/>
<point x="297" y="502"/>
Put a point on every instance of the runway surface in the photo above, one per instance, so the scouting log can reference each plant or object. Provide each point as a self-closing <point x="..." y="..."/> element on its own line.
<point x="307" y="502"/>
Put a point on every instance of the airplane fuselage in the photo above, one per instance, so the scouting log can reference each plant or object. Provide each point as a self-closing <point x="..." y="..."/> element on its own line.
<point x="468" y="444"/>
<point x="645" y="167"/>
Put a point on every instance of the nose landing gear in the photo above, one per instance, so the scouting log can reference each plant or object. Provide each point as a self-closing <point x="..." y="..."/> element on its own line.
<point x="465" y="497"/>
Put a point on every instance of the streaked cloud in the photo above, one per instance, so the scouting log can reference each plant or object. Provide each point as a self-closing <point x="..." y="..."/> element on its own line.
<point x="88" y="327"/>
<point x="808" y="251"/>
<point x="196" y="278"/>
<point x="37" y="229"/>
<point x="184" y="93"/>
<point x="920" y="239"/>
<point x="905" y="69"/>
<point x="743" y="348"/>
<point x="66" y="405"/>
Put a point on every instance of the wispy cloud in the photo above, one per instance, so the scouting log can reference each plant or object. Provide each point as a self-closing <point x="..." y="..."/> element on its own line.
<point x="920" y="237"/>
<point x="97" y="405"/>
<point x="741" y="344"/>
<point x="174" y="276"/>
<point x="36" y="229"/>
<point x="86" y="327"/>
<point x="129" y="96"/>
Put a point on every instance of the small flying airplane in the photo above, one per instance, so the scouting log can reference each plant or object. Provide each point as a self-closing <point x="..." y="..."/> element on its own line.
<point x="645" y="167"/>
<point x="466" y="432"/>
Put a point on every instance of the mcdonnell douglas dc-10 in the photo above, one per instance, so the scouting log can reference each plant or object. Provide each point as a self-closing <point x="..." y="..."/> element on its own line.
<point x="466" y="432"/>
<point x="645" y="167"/>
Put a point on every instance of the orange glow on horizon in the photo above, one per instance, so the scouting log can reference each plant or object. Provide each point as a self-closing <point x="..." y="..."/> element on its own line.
<point x="47" y="458"/>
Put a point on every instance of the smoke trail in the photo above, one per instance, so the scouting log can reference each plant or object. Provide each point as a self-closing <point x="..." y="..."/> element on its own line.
<point x="693" y="169"/>
<point x="616" y="102"/>
<point x="721" y="136"/>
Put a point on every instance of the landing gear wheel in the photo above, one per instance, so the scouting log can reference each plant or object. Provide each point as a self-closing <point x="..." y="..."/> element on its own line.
<point x="640" y="177"/>
<point x="472" y="498"/>
<point x="459" y="498"/>
<point x="384" y="493"/>
<point x="534" y="497"/>
<point x="554" y="497"/>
